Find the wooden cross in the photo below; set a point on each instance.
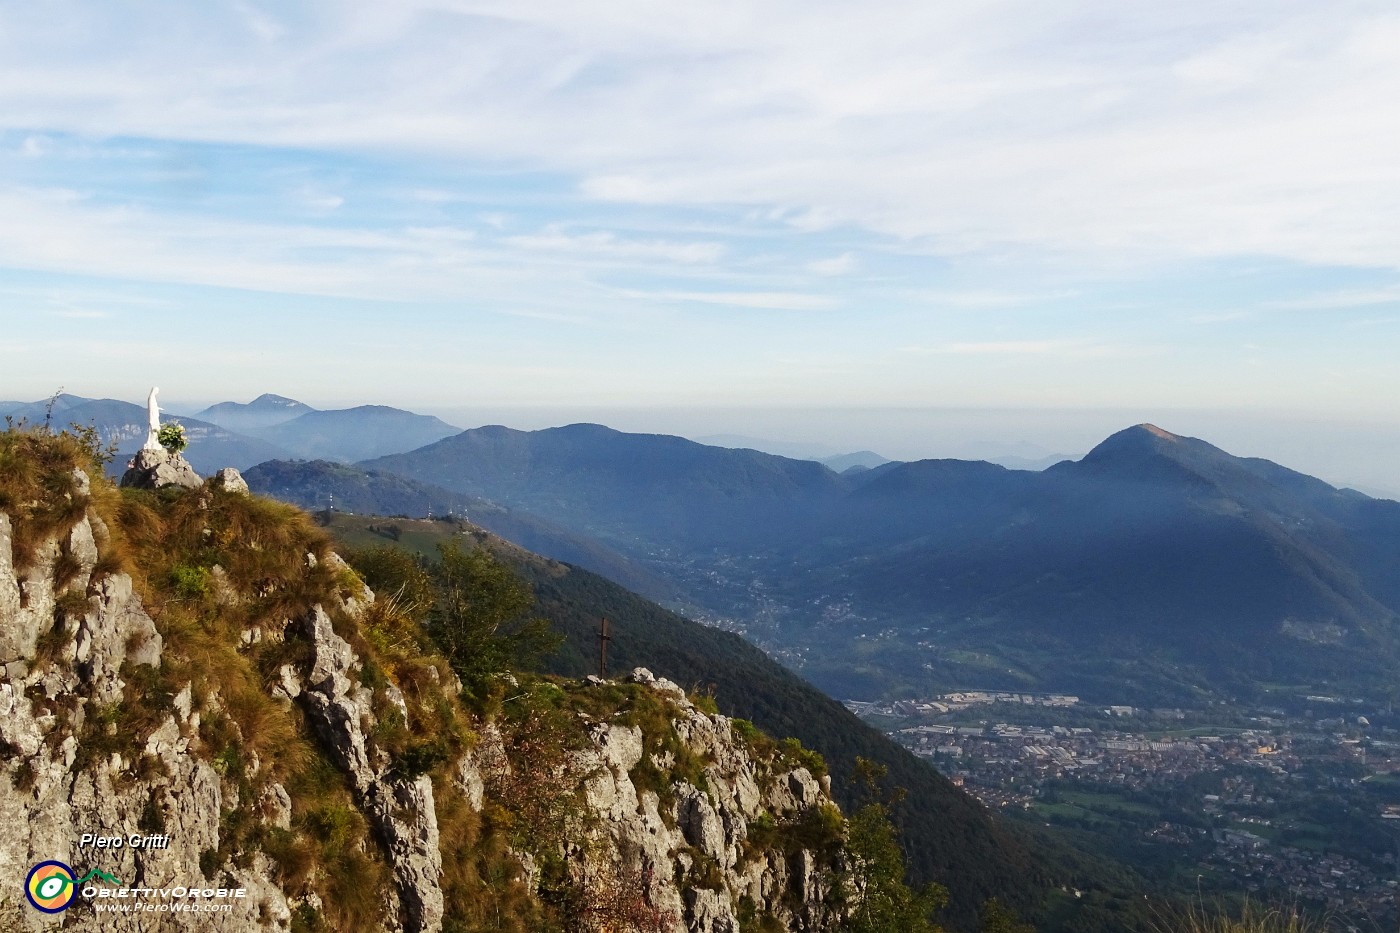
(603, 639)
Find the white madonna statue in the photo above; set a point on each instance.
(153, 415)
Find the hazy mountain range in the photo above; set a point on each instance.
(265, 411)
(125, 423)
(1020, 456)
(342, 434)
(1182, 567)
(241, 435)
(1156, 565)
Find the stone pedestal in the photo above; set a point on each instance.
(152, 469)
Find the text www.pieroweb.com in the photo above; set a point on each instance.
(107, 907)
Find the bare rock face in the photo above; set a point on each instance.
(401, 811)
(24, 607)
(50, 795)
(114, 630)
(152, 469)
(693, 854)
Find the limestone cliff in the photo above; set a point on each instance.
(195, 671)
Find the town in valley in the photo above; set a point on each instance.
(1294, 803)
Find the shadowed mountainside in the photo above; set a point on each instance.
(1154, 549)
(316, 484)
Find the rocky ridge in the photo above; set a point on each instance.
(646, 843)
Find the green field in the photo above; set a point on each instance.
(418, 535)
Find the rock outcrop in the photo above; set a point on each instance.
(401, 810)
(229, 480)
(68, 650)
(707, 854)
(152, 469)
(674, 821)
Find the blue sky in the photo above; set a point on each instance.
(806, 206)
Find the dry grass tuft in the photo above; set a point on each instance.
(1196, 917)
(38, 488)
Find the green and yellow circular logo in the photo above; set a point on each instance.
(50, 887)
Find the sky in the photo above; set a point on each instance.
(802, 218)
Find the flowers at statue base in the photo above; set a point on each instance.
(172, 437)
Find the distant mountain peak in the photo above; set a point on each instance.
(586, 429)
(1144, 439)
(1146, 451)
(268, 399)
(262, 412)
(1155, 431)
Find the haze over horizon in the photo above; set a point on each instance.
(1343, 452)
(903, 228)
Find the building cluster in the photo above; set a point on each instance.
(1004, 755)
(1342, 885)
(962, 700)
(1235, 835)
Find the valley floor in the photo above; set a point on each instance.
(1293, 806)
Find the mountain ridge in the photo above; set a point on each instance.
(264, 411)
(358, 433)
(1151, 539)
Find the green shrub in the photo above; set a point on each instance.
(798, 757)
(171, 436)
(705, 703)
(189, 582)
(480, 619)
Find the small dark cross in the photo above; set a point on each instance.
(603, 639)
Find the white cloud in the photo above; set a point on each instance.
(321, 201)
(1223, 317)
(984, 298)
(1344, 298)
(844, 264)
(1077, 349)
(70, 235)
(82, 314)
(609, 245)
(778, 301)
(1194, 129)
(265, 27)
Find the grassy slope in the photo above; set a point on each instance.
(948, 837)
